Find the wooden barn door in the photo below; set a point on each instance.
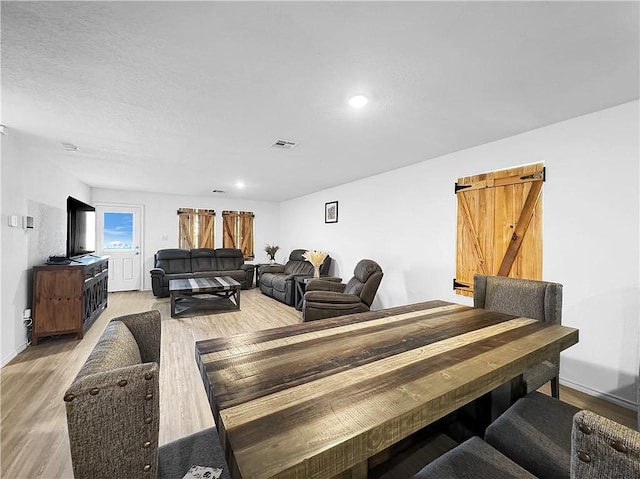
(499, 230)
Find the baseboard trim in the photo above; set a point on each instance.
(8, 359)
(601, 395)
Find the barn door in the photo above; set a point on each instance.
(499, 229)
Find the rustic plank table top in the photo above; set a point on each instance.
(315, 399)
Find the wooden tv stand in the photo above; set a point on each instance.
(67, 298)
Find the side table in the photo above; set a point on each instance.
(301, 286)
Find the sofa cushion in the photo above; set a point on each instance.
(229, 259)
(297, 255)
(203, 259)
(267, 279)
(116, 348)
(354, 286)
(174, 260)
(169, 277)
(279, 282)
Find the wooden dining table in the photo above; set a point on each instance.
(318, 399)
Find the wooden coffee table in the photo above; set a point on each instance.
(214, 295)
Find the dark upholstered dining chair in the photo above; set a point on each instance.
(556, 440)
(536, 426)
(113, 410)
(473, 459)
(539, 300)
(539, 436)
(327, 299)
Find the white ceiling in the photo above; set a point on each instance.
(185, 97)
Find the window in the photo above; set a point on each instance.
(237, 231)
(499, 225)
(117, 231)
(196, 228)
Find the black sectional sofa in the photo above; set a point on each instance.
(198, 263)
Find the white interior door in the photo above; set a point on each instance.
(120, 237)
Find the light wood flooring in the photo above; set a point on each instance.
(34, 440)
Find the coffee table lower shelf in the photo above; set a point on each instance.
(212, 295)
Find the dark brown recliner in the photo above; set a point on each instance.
(326, 299)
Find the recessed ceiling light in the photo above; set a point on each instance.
(358, 101)
(240, 184)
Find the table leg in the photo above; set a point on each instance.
(173, 305)
(238, 297)
(300, 287)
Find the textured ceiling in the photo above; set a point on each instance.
(185, 97)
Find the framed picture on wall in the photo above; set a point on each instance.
(331, 212)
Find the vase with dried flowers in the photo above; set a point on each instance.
(316, 258)
(271, 251)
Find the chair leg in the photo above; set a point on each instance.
(555, 387)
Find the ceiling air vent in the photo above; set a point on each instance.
(218, 191)
(70, 147)
(285, 144)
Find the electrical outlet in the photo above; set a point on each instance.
(26, 314)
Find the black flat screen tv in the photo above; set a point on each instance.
(81, 228)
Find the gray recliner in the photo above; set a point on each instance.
(113, 410)
(277, 280)
(327, 299)
(539, 300)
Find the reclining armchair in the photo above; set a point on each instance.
(326, 299)
(277, 281)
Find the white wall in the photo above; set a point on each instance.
(30, 186)
(406, 221)
(161, 220)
